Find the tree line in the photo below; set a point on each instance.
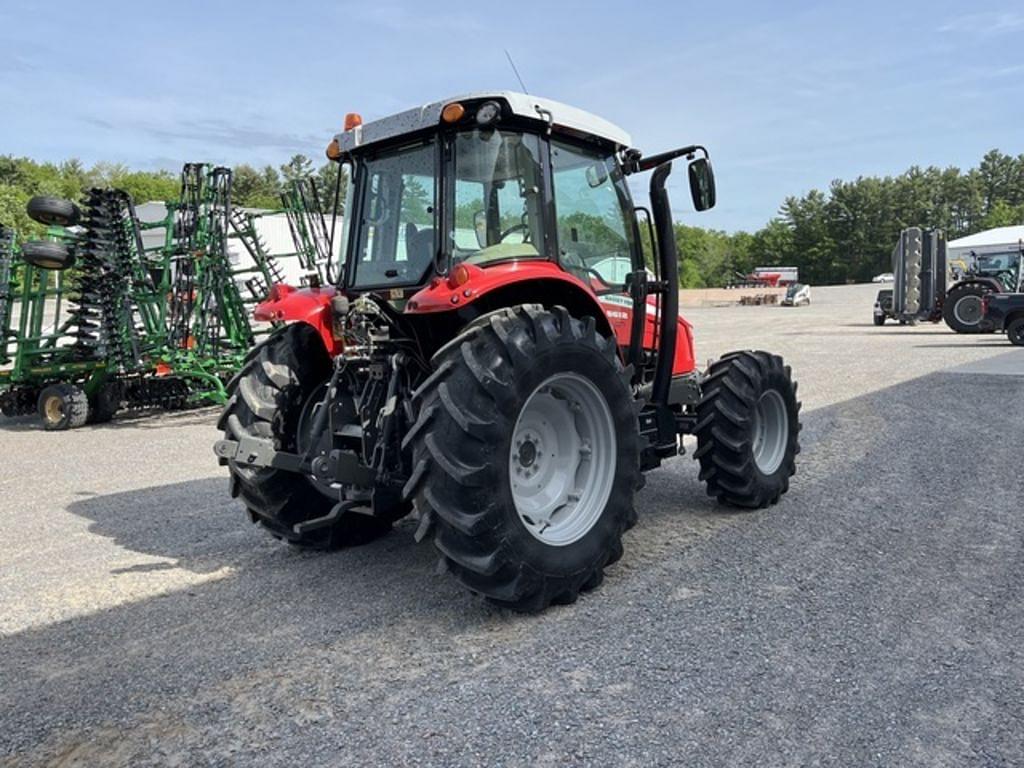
(22, 178)
(846, 233)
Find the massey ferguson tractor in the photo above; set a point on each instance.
(496, 354)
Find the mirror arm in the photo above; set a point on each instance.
(668, 320)
(636, 163)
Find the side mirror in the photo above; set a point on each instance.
(702, 184)
(596, 175)
(480, 228)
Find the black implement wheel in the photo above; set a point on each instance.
(748, 425)
(267, 398)
(526, 457)
(53, 211)
(1015, 332)
(63, 406)
(879, 319)
(9, 405)
(962, 309)
(106, 402)
(47, 255)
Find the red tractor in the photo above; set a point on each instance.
(496, 354)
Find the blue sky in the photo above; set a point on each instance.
(787, 96)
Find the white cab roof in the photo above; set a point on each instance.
(562, 116)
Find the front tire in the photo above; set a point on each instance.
(526, 457)
(1015, 332)
(748, 425)
(266, 399)
(879, 319)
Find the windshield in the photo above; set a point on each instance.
(497, 197)
(396, 242)
(996, 261)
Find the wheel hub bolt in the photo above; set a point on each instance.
(527, 453)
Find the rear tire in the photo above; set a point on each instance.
(879, 319)
(1015, 332)
(748, 427)
(266, 399)
(962, 309)
(63, 406)
(551, 383)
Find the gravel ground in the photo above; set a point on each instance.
(872, 618)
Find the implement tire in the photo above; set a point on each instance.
(63, 406)
(266, 399)
(526, 457)
(748, 425)
(106, 402)
(53, 211)
(47, 255)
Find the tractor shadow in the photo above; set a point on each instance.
(202, 529)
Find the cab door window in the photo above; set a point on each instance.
(396, 239)
(595, 227)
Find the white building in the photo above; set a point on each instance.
(272, 228)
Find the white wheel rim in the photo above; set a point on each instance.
(562, 459)
(771, 432)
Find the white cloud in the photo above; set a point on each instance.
(984, 24)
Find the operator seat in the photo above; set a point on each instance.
(419, 244)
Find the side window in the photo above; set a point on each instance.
(595, 230)
(397, 242)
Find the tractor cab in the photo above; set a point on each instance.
(1002, 267)
(484, 181)
(459, 205)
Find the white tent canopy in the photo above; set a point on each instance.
(998, 240)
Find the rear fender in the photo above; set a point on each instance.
(311, 306)
(543, 282)
(985, 282)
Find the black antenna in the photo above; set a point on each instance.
(521, 83)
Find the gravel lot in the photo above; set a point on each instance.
(872, 618)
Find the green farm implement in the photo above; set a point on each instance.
(93, 320)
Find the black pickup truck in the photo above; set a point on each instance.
(1006, 312)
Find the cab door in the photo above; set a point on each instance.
(595, 232)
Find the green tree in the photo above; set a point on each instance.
(299, 167)
(256, 189)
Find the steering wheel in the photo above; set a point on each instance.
(515, 228)
(573, 262)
